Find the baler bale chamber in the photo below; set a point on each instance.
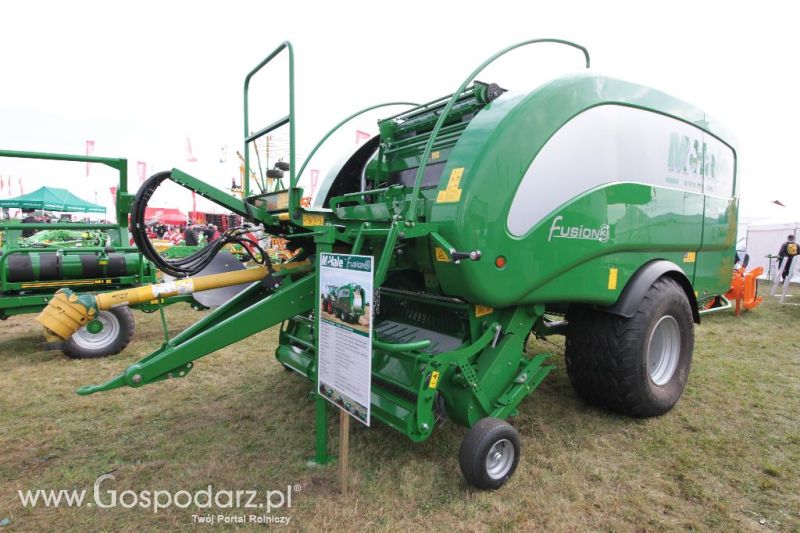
(588, 206)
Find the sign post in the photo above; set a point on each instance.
(344, 323)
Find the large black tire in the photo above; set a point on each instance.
(607, 355)
(487, 438)
(117, 332)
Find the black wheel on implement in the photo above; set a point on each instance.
(106, 335)
(640, 365)
(489, 453)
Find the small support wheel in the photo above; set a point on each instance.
(489, 453)
(108, 334)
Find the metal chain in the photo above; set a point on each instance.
(544, 339)
(376, 302)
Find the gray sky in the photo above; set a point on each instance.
(138, 77)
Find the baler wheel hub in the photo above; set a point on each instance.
(500, 459)
(100, 334)
(664, 350)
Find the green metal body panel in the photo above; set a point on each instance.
(494, 151)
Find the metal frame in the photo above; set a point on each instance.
(288, 119)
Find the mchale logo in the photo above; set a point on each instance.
(332, 261)
(584, 233)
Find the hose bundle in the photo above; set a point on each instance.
(194, 263)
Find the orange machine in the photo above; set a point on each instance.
(744, 288)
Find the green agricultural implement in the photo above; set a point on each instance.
(84, 257)
(588, 207)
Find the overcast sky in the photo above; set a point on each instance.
(139, 77)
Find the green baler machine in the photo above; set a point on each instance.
(589, 207)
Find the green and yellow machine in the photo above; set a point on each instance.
(38, 258)
(86, 257)
(588, 207)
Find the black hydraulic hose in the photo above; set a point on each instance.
(197, 261)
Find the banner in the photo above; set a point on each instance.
(89, 151)
(362, 136)
(141, 170)
(314, 180)
(113, 191)
(344, 323)
(189, 155)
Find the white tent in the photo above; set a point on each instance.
(765, 238)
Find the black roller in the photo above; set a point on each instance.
(49, 266)
(20, 268)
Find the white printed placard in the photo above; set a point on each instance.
(344, 323)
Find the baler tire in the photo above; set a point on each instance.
(80, 345)
(482, 439)
(607, 355)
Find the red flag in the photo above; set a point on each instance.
(141, 169)
(189, 155)
(314, 180)
(89, 151)
(1, 183)
(194, 202)
(362, 136)
(20, 186)
(113, 191)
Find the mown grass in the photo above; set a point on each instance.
(726, 458)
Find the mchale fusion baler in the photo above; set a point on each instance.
(589, 207)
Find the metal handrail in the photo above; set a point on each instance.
(248, 137)
(412, 208)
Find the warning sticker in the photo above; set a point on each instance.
(181, 286)
(313, 220)
(455, 178)
(483, 310)
(453, 191)
(434, 379)
(442, 256)
(449, 195)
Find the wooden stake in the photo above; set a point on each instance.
(344, 448)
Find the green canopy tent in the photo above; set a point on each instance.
(52, 199)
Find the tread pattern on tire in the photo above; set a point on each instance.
(603, 354)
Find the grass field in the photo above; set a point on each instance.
(726, 458)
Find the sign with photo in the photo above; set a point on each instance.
(344, 324)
